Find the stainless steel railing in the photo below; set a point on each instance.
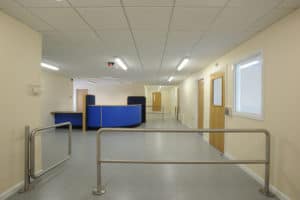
(29, 172)
(265, 190)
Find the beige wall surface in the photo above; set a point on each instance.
(280, 46)
(20, 56)
(110, 92)
(168, 99)
(56, 95)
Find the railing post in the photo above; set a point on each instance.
(266, 190)
(99, 190)
(26, 160)
(70, 140)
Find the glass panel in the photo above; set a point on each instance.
(248, 86)
(217, 92)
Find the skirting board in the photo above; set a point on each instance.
(11, 191)
(259, 179)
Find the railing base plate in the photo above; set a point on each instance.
(267, 194)
(98, 193)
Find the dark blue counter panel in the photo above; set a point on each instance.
(74, 118)
(113, 116)
(121, 116)
(93, 116)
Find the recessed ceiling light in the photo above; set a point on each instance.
(171, 78)
(183, 64)
(48, 66)
(120, 62)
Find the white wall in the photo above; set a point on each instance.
(57, 91)
(20, 56)
(280, 45)
(109, 92)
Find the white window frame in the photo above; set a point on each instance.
(245, 114)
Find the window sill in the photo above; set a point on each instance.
(248, 116)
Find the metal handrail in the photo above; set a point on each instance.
(265, 190)
(37, 131)
(30, 152)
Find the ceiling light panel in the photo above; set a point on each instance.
(183, 64)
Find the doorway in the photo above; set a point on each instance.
(217, 110)
(80, 95)
(200, 103)
(156, 101)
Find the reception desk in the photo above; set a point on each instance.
(113, 116)
(68, 116)
(102, 116)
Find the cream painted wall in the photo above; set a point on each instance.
(168, 99)
(20, 56)
(109, 92)
(56, 95)
(280, 45)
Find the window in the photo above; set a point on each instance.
(217, 92)
(248, 100)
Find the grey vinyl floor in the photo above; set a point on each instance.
(75, 179)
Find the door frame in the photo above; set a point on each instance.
(201, 103)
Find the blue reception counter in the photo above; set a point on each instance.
(74, 117)
(113, 116)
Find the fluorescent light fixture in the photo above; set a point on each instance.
(171, 78)
(249, 64)
(52, 67)
(183, 64)
(92, 82)
(120, 62)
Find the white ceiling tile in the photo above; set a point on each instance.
(150, 45)
(254, 3)
(149, 18)
(179, 45)
(8, 4)
(181, 42)
(61, 18)
(291, 4)
(105, 18)
(120, 41)
(269, 19)
(201, 3)
(26, 17)
(94, 3)
(43, 3)
(193, 18)
(150, 42)
(148, 2)
(238, 18)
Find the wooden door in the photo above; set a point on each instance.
(217, 110)
(156, 101)
(200, 103)
(80, 95)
